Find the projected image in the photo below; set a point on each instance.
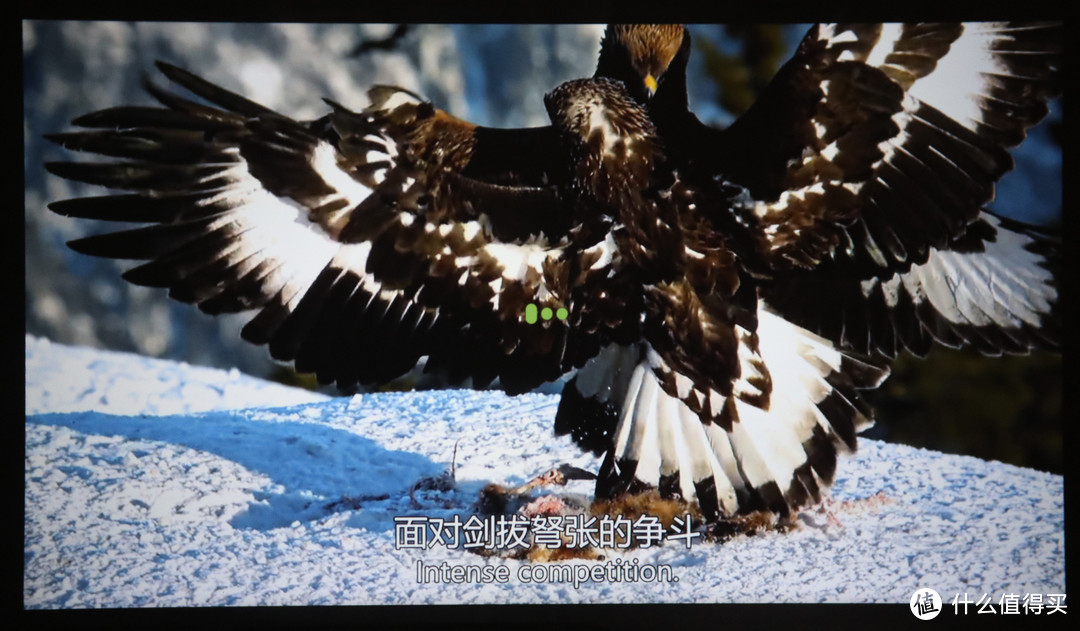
(428, 314)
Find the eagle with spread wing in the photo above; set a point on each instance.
(727, 292)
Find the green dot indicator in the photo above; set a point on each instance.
(530, 314)
(545, 313)
(562, 313)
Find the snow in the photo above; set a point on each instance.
(151, 483)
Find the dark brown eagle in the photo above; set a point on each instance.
(728, 291)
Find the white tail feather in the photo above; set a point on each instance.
(766, 444)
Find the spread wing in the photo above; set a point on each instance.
(867, 162)
(362, 242)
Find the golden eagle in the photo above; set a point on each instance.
(727, 292)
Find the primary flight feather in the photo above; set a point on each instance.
(727, 292)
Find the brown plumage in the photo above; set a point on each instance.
(848, 202)
(724, 289)
(864, 164)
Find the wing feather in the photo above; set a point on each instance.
(365, 241)
(867, 163)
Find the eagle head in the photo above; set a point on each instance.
(640, 55)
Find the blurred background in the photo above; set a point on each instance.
(1006, 409)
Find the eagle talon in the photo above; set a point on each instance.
(750, 524)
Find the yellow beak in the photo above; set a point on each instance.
(650, 84)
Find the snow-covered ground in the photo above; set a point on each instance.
(151, 483)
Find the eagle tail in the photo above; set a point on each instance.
(773, 454)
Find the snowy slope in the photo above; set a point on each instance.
(150, 483)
